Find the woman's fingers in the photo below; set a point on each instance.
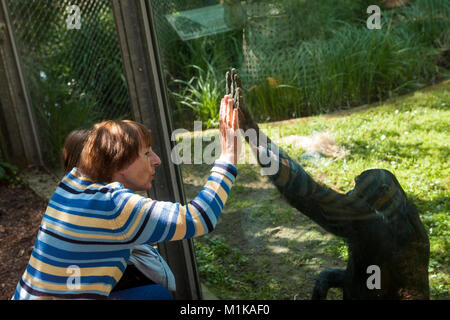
(225, 114)
(230, 113)
(235, 119)
(233, 85)
(229, 124)
(221, 110)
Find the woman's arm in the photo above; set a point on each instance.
(149, 221)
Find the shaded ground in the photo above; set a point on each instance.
(21, 211)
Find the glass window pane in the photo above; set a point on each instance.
(262, 248)
(296, 58)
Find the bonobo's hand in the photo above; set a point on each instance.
(234, 89)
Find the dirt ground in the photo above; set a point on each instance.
(21, 211)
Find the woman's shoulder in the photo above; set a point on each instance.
(75, 185)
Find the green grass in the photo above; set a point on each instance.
(408, 135)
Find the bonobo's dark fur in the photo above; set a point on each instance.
(381, 226)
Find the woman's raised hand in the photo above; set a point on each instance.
(230, 136)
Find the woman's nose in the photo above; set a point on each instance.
(155, 160)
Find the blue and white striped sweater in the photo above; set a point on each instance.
(92, 227)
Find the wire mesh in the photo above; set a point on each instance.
(72, 66)
(267, 33)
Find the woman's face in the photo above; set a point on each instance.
(139, 175)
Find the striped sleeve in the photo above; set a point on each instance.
(152, 221)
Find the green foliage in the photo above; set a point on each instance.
(310, 20)
(196, 76)
(22, 14)
(321, 57)
(96, 68)
(428, 20)
(9, 174)
(75, 77)
(270, 101)
(202, 93)
(356, 66)
(61, 108)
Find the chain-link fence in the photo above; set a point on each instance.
(72, 66)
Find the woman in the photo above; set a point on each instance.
(145, 266)
(94, 218)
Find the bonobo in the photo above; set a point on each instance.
(380, 225)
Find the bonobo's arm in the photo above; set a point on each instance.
(331, 210)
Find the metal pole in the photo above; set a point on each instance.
(17, 120)
(147, 91)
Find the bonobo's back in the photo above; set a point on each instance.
(395, 241)
(381, 226)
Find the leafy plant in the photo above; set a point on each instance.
(60, 107)
(9, 174)
(202, 93)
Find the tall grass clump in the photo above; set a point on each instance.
(309, 20)
(428, 20)
(201, 94)
(354, 65)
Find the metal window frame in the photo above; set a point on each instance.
(149, 104)
(17, 119)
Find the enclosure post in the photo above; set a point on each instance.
(16, 116)
(146, 86)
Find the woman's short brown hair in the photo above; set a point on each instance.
(112, 146)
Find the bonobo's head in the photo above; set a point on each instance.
(381, 190)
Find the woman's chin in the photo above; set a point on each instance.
(148, 186)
